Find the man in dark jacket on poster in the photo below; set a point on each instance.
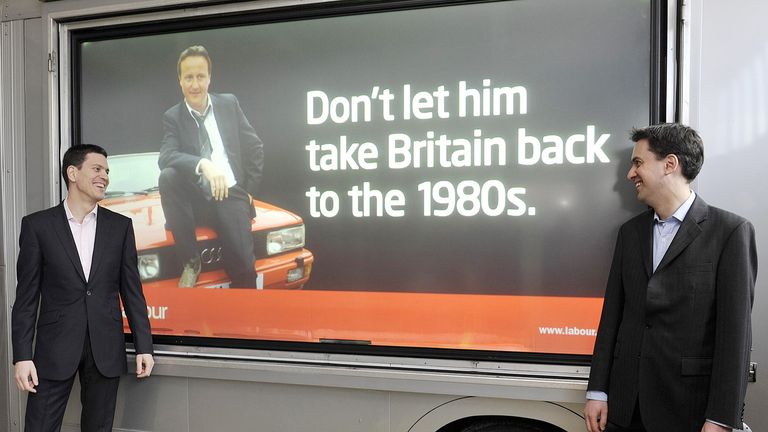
(211, 161)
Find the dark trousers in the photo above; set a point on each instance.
(635, 426)
(185, 207)
(98, 396)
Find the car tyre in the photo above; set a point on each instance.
(508, 425)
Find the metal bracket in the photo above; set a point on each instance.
(752, 372)
(52, 61)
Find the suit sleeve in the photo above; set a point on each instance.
(133, 297)
(28, 272)
(171, 152)
(734, 291)
(610, 319)
(252, 151)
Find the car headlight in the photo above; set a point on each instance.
(285, 239)
(149, 266)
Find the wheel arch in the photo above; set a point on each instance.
(459, 413)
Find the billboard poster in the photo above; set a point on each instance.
(446, 177)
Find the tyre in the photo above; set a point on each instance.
(510, 425)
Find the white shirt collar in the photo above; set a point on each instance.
(71, 217)
(681, 211)
(194, 112)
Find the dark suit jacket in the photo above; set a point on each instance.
(181, 143)
(678, 338)
(50, 274)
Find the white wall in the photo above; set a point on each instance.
(729, 107)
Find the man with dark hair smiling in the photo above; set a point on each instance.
(76, 262)
(672, 349)
(211, 161)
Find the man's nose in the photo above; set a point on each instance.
(631, 173)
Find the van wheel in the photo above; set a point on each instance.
(508, 426)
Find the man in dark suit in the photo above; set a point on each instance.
(672, 349)
(76, 261)
(211, 161)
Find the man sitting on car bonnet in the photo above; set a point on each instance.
(211, 161)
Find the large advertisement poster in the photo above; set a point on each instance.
(447, 177)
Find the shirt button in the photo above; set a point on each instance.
(89, 292)
(648, 325)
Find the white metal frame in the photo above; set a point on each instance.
(12, 169)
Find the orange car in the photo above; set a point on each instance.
(282, 262)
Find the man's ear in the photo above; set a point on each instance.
(72, 174)
(671, 163)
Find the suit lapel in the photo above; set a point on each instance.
(222, 122)
(688, 231)
(64, 233)
(191, 136)
(645, 234)
(100, 243)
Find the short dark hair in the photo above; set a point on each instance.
(677, 139)
(75, 156)
(194, 51)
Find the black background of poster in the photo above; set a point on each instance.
(582, 63)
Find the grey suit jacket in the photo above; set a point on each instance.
(678, 339)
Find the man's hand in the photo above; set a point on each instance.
(216, 178)
(711, 427)
(26, 376)
(144, 365)
(596, 415)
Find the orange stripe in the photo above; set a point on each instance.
(465, 321)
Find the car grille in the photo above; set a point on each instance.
(211, 254)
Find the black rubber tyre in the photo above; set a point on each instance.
(507, 426)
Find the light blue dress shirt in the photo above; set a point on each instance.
(664, 231)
